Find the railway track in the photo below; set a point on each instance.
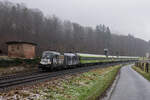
(19, 75)
(10, 82)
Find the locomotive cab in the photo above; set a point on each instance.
(50, 60)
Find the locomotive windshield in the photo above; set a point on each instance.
(47, 55)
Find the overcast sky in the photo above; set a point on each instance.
(122, 16)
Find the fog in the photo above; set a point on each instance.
(122, 16)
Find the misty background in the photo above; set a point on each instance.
(76, 26)
(122, 16)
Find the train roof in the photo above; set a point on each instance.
(89, 55)
(112, 56)
(52, 52)
(69, 54)
(95, 55)
(127, 57)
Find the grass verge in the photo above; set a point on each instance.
(143, 73)
(83, 86)
(101, 86)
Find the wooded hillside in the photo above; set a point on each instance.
(17, 22)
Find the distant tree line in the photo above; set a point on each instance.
(17, 22)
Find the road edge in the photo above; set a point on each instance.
(110, 90)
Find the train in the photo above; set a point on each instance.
(54, 60)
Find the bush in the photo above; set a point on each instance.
(31, 61)
(17, 61)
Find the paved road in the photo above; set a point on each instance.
(131, 86)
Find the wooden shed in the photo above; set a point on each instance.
(21, 49)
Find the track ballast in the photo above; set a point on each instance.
(10, 82)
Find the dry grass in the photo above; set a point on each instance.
(143, 73)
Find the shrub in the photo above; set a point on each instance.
(17, 61)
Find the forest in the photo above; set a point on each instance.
(19, 23)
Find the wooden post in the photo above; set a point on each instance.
(143, 66)
(147, 67)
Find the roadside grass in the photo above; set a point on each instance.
(143, 73)
(87, 86)
(102, 85)
(83, 86)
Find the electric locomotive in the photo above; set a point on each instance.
(54, 60)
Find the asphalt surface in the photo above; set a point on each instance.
(131, 86)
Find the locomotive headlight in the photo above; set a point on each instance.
(43, 63)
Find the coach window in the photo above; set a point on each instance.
(73, 59)
(69, 58)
